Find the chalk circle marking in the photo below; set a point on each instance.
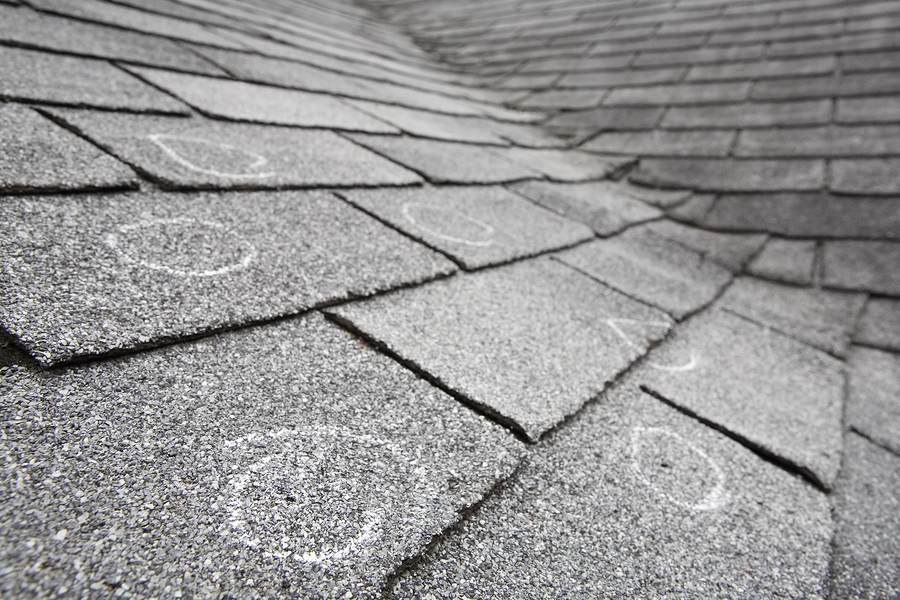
(258, 159)
(112, 240)
(410, 208)
(715, 499)
(368, 533)
(692, 363)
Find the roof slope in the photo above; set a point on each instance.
(447, 298)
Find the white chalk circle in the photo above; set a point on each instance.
(677, 470)
(437, 221)
(316, 494)
(177, 146)
(182, 246)
(616, 325)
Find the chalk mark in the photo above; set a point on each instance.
(715, 499)
(112, 240)
(488, 229)
(260, 160)
(690, 365)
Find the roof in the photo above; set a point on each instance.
(450, 299)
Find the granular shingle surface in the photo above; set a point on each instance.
(94, 274)
(501, 322)
(710, 388)
(219, 468)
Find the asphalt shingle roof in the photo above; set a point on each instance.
(450, 298)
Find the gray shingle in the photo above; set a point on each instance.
(608, 79)
(95, 274)
(477, 226)
(835, 141)
(807, 215)
(635, 500)
(36, 155)
(447, 162)
(774, 393)
(532, 341)
(867, 538)
(199, 153)
(433, 125)
(866, 176)
(790, 261)
(879, 325)
(29, 28)
(604, 207)
(820, 318)
(862, 265)
(207, 457)
(749, 114)
(871, 61)
(695, 93)
(570, 99)
(858, 84)
(35, 76)
(763, 69)
(731, 175)
(877, 109)
(732, 250)
(242, 101)
(651, 268)
(663, 143)
(873, 406)
(565, 165)
(580, 124)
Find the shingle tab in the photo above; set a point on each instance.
(199, 153)
(776, 394)
(790, 261)
(749, 114)
(635, 500)
(532, 342)
(873, 406)
(862, 265)
(34, 76)
(879, 325)
(36, 155)
(224, 459)
(127, 270)
(604, 207)
(477, 226)
(866, 176)
(663, 143)
(242, 101)
(447, 162)
(724, 175)
(651, 268)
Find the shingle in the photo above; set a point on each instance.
(873, 406)
(126, 270)
(700, 55)
(569, 99)
(763, 69)
(837, 141)
(749, 114)
(477, 226)
(609, 79)
(731, 250)
(206, 457)
(663, 198)
(564, 165)
(790, 261)
(775, 394)
(862, 265)
(858, 84)
(651, 268)
(447, 162)
(36, 155)
(783, 32)
(823, 319)
(432, 125)
(867, 537)
(663, 143)
(137, 20)
(878, 109)
(43, 77)
(866, 176)
(879, 325)
(531, 341)
(731, 175)
(203, 154)
(807, 215)
(858, 42)
(524, 134)
(696, 93)
(581, 124)
(26, 27)
(635, 500)
(262, 104)
(604, 207)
